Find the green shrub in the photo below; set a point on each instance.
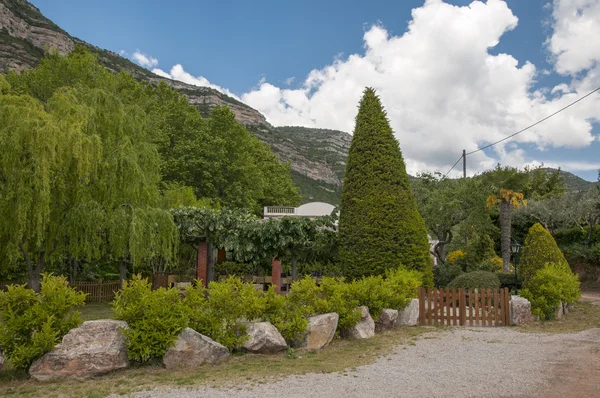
(155, 318)
(319, 269)
(338, 298)
(507, 279)
(445, 273)
(287, 318)
(476, 280)
(394, 291)
(404, 283)
(380, 226)
(231, 268)
(333, 295)
(540, 249)
(32, 324)
(217, 312)
(550, 286)
(491, 264)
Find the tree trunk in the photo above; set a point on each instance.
(73, 271)
(505, 232)
(439, 250)
(35, 273)
(210, 270)
(122, 271)
(294, 270)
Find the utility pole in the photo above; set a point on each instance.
(464, 164)
(465, 176)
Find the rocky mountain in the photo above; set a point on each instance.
(317, 156)
(573, 183)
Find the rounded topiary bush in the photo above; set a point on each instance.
(540, 249)
(476, 280)
(548, 288)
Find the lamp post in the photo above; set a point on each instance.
(515, 248)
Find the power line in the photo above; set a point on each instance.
(445, 175)
(534, 124)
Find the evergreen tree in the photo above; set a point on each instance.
(539, 250)
(380, 227)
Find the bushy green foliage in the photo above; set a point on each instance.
(287, 318)
(446, 273)
(476, 280)
(319, 269)
(219, 311)
(394, 291)
(31, 324)
(491, 264)
(380, 227)
(155, 318)
(507, 279)
(332, 295)
(539, 249)
(577, 235)
(550, 286)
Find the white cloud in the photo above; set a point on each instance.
(178, 73)
(442, 89)
(289, 80)
(575, 42)
(144, 60)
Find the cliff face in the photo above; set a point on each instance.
(317, 156)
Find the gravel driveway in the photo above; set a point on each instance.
(470, 362)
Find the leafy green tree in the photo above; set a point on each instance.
(540, 249)
(380, 227)
(80, 172)
(217, 157)
(445, 204)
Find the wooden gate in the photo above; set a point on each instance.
(461, 307)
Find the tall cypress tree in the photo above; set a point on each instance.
(380, 226)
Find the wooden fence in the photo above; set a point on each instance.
(98, 291)
(460, 307)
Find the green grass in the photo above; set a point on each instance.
(241, 370)
(93, 311)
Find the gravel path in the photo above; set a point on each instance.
(469, 362)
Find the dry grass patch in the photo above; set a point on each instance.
(242, 370)
(584, 316)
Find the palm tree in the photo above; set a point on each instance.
(508, 186)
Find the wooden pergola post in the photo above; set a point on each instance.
(276, 274)
(202, 265)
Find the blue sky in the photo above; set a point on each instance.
(263, 52)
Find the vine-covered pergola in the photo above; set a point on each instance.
(252, 239)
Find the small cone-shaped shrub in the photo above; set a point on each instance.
(539, 250)
(380, 226)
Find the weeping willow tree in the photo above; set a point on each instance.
(79, 171)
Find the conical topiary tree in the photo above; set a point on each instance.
(539, 250)
(380, 226)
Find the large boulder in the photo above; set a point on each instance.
(193, 349)
(365, 328)
(410, 315)
(263, 338)
(95, 348)
(320, 331)
(520, 311)
(387, 319)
